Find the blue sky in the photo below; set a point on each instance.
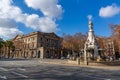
(76, 12)
(60, 16)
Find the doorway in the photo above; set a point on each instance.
(39, 54)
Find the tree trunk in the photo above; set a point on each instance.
(8, 52)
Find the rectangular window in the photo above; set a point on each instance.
(33, 38)
(41, 39)
(28, 39)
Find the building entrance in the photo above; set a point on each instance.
(38, 54)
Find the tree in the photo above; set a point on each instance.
(12, 49)
(74, 43)
(1, 46)
(9, 47)
(79, 41)
(67, 41)
(101, 41)
(115, 29)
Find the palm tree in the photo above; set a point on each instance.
(9, 47)
(12, 49)
(1, 45)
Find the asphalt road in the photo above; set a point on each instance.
(38, 70)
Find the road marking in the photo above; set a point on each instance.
(21, 69)
(3, 69)
(20, 74)
(3, 77)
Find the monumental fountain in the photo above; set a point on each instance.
(91, 47)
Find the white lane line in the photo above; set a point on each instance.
(3, 69)
(21, 69)
(20, 74)
(3, 77)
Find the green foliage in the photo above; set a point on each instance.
(1, 42)
(9, 43)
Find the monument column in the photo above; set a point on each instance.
(90, 44)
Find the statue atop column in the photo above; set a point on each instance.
(90, 25)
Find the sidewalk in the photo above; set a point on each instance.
(65, 62)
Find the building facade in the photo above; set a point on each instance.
(38, 45)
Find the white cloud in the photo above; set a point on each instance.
(49, 8)
(10, 15)
(8, 28)
(89, 17)
(9, 32)
(44, 24)
(47, 22)
(7, 23)
(109, 11)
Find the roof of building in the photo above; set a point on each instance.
(52, 34)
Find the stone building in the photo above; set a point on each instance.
(37, 45)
